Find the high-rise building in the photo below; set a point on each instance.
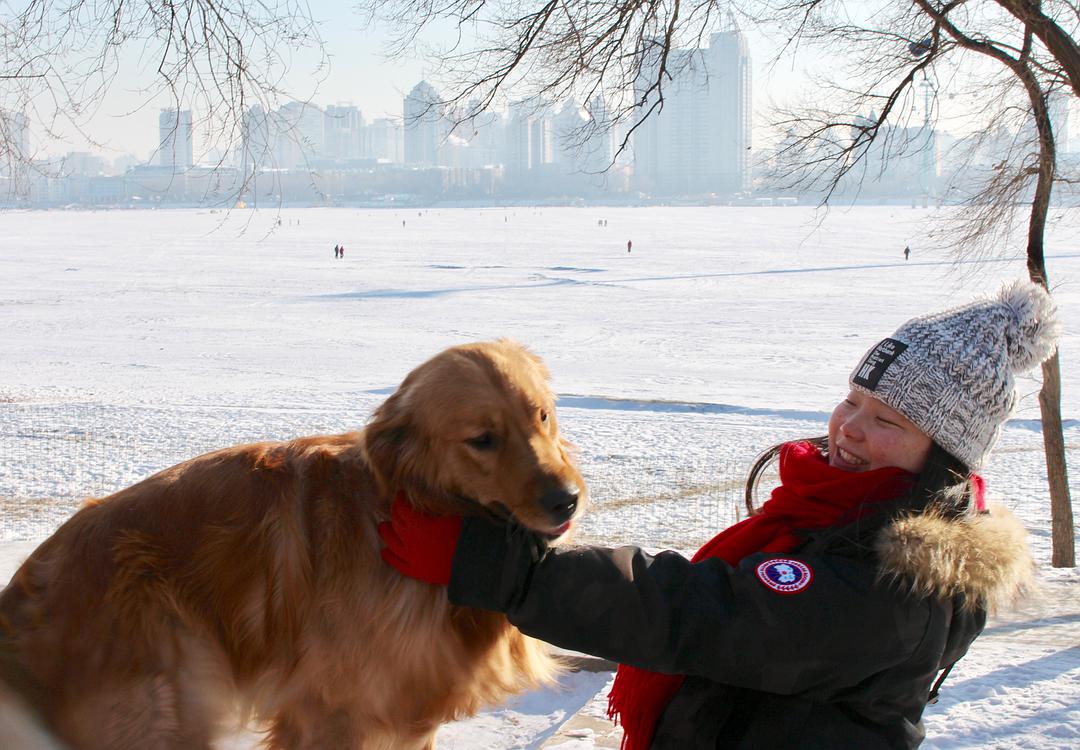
(568, 134)
(14, 135)
(598, 150)
(256, 149)
(298, 130)
(530, 136)
(383, 140)
(423, 124)
(15, 175)
(175, 147)
(82, 164)
(700, 141)
(485, 133)
(344, 128)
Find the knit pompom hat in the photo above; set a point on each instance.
(952, 373)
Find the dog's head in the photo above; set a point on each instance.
(475, 425)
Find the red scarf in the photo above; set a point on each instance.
(811, 495)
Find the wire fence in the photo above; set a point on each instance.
(655, 479)
(55, 455)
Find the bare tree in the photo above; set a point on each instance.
(620, 53)
(1038, 77)
(889, 52)
(58, 60)
(919, 41)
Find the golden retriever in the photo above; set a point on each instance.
(250, 578)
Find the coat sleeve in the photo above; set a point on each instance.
(709, 619)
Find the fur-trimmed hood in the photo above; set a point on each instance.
(983, 556)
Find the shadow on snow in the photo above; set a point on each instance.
(426, 293)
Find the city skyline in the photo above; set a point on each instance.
(351, 70)
(702, 138)
(704, 131)
(353, 73)
(701, 143)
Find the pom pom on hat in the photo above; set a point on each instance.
(952, 372)
(1032, 331)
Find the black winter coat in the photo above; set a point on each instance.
(846, 661)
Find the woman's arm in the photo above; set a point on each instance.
(833, 629)
(666, 614)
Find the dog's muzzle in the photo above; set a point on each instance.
(560, 503)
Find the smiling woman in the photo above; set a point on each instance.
(826, 617)
(866, 434)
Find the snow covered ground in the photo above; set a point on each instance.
(132, 340)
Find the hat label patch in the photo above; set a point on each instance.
(785, 576)
(874, 365)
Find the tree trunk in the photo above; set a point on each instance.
(1057, 473)
(1061, 517)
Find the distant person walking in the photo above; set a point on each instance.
(907, 252)
(629, 244)
(337, 251)
(341, 250)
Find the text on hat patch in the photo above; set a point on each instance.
(877, 362)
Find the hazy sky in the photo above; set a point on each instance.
(126, 121)
(358, 73)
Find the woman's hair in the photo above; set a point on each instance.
(943, 486)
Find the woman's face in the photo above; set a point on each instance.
(865, 434)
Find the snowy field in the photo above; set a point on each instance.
(133, 340)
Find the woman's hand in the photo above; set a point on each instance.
(419, 545)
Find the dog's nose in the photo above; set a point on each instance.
(560, 502)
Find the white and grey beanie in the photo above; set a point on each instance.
(952, 372)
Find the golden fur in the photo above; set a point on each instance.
(250, 578)
(983, 556)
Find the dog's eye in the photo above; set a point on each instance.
(482, 442)
(543, 416)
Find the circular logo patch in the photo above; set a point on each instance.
(785, 576)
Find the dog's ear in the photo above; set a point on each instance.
(532, 358)
(394, 443)
(384, 438)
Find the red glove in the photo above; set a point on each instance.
(419, 545)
